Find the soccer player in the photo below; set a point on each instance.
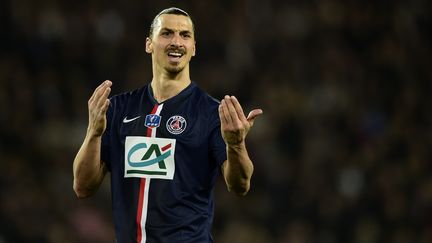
(164, 144)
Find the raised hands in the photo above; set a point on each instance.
(234, 124)
(97, 107)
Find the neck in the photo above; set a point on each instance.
(167, 85)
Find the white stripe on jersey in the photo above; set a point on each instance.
(147, 187)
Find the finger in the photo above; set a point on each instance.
(254, 114)
(105, 107)
(221, 114)
(226, 112)
(99, 90)
(103, 98)
(232, 111)
(239, 109)
(102, 85)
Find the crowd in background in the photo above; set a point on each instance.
(343, 152)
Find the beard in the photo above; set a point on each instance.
(174, 69)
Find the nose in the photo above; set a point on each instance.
(176, 40)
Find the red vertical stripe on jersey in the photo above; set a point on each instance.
(141, 192)
(139, 211)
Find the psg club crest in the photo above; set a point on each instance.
(176, 124)
(152, 121)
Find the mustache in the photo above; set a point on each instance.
(175, 49)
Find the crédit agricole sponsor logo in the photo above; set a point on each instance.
(148, 157)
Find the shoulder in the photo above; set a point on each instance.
(124, 98)
(205, 99)
(123, 103)
(206, 106)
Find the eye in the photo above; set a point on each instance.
(165, 33)
(187, 35)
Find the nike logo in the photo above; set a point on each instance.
(125, 120)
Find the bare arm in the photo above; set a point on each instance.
(238, 168)
(88, 169)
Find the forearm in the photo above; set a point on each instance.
(235, 125)
(238, 169)
(88, 170)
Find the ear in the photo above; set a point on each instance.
(149, 45)
(194, 49)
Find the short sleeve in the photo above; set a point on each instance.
(217, 144)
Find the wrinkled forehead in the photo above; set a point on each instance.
(174, 22)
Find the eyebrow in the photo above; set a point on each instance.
(171, 30)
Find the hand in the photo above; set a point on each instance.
(97, 107)
(234, 124)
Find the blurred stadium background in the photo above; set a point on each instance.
(342, 154)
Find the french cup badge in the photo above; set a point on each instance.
(152, 121)
(176, 124)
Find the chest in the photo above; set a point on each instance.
(164, 141)
(183, 122)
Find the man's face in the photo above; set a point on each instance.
(173, 42)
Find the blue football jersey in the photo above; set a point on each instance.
(163, 160)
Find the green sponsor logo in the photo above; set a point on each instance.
(153, 155)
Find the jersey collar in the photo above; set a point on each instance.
(180, 96)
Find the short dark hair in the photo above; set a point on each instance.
(172, 10)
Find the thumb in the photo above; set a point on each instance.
(254, 114)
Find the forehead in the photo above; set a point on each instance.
(174, 22)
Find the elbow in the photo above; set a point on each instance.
(82, 192)
(239, 190)
(237, 181)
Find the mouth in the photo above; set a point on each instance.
(174, 56)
